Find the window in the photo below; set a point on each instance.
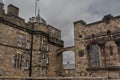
(20, 40)
(26, 64)
(42, 54)
(43, 43)
(94, 56)
(47, 61)
(28, 44)
(18, 61)
(81, 53)
(47, 48)
(41, 40)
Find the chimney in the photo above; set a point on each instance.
(1, 8)
(13, 10)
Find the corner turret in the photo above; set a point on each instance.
(37, 19)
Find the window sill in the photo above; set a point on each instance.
(112, 68)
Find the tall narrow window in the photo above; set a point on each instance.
(20, 40)
(18, 61)
(26, 64)
(42, 55)
(94, 56)
(28, 44)
(47, 60)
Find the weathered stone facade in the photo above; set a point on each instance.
(97, 52)
(97, 47)
(18, 38)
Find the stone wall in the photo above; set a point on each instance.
(15, 42)
(61, 78)
(99, 33)
(8, 49)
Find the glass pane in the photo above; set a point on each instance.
(94, 56)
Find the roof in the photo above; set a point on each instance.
(68, 66)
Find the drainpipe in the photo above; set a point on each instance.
(30, 66)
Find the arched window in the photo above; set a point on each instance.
(94, 56)
(111, 54)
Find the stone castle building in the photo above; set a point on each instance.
(97, 47)
(35, 48)
(18, 40)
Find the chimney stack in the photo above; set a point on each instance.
(13, 10)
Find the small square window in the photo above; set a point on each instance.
(42, 54)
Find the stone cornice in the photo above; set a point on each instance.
(104, 68)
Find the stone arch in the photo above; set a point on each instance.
(111, 53)
(60, 51)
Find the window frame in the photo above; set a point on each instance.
(94, 56)
(20, 39)
(18, 61)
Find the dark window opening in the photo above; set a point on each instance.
(81, 53)
(18, 61)
(80, 36)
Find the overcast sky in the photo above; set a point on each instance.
(62, 13)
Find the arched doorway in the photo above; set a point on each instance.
(69, 64)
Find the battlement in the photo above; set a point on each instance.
(105, 19)
(13, 20)
(12, 16)
(13, 10)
